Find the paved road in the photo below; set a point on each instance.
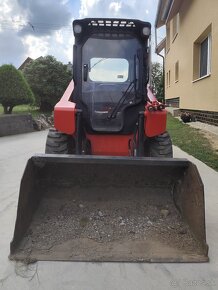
(14, 152)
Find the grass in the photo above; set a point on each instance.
(23, 109)
(192, 141)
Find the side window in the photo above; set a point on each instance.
(168, 79)
(202, 55)
(167, 37)
(175, 25)
(205, 56)
(177, 71)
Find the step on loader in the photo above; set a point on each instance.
(108, 187)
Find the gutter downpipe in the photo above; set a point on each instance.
(163, 18)
(163, 66)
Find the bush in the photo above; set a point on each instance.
(14, 89)
(48, 79)
(157, 81)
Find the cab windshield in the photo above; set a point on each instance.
(110, 78)
(109, 69)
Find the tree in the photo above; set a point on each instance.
(157, 80)
(14, 89)
(48, 79)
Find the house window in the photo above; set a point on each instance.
(176, 72)
(202, 55)
(168, 79)
(168, 37)
(205, 56)
(175, 25)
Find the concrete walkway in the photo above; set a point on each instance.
(198, 125)
(14, 152)
(205, 127)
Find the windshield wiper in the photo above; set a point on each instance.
(99, 61)
(132, 85)
(115, 110)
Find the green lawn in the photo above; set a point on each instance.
(23, 109)
(192, 141)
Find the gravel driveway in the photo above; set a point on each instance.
(14, 152)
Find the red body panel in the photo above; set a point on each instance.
(150, 95)
(155, 123)
(112, 145)
(155, 120)
(65, 113)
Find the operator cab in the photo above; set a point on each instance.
(110, 73)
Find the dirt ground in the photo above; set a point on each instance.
(112, 224)
(209, 131)
(212, 138)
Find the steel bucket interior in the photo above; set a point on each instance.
(88, 208)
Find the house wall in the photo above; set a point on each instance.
(195, 16)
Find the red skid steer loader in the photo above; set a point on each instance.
(107, 188)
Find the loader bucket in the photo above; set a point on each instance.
(88, 208)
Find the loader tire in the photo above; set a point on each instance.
(159, 146)
(59, 143)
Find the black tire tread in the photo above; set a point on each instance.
(160, 146)
(57, 143)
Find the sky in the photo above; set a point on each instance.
(34, 28)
